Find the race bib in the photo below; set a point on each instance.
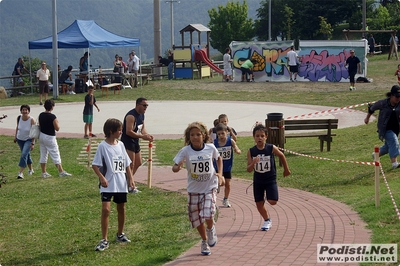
(201, 167)
(225, 152)
(118, 164)
(263, 165)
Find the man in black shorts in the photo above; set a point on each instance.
(133, 129)
(43, 75)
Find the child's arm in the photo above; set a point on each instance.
(220, 166)
(98, 109)
(131, 182)
(282, 159)
(102, 179)
(232, 133)
(251, 162)
(235, 147)
(91, 101)
(177, 167)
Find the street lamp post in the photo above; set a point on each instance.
(171, 2)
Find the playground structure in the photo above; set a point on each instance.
(393, 45)
(192, 57)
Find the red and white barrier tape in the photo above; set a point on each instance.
(327, 111)
(390, 193)
(328, 159)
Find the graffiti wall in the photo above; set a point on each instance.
(318, 60)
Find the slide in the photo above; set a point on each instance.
(200, 55)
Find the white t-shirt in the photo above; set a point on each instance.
(201, 174)
(24, 128)
(43, 75)
(136, 62)
(114, 159)
(292, 57)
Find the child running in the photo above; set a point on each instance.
(397, 73)
(203, 180)
(223, 118)
(110, 164)
(226, 146)
(90, 100)
(260, 158)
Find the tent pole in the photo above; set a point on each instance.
(55, 51)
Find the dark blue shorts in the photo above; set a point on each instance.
(267, 191)
(118, 197)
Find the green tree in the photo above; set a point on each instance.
(288, 22)
(230, 23)
(325, 28)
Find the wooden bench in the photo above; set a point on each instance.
(146, 75)
(106, 87)
(313, 124)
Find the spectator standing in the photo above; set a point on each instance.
(90, 100)
(371, 44)
(227, 65)
(135, 68)
(134, 129)
(26, 144)
(84, 64)
(395, 44)
(203, 181)
(111, 165)
(171, 64)
(388, 123)
(43, 75)
(260, 161)
(292, 57)
(48, 143)
(123, 64)
(18, 69)
(66, 78)
(354, 66)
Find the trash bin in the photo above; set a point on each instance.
(276, 129)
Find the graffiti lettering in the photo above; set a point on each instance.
(316, 66)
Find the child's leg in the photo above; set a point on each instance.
(90, 128)
(86, 129)
(121, 217)
(227, 187)
(202, 231)
(262, 209)
(105, 214)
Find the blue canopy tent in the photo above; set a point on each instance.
(84, 34)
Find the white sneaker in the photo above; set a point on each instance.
(64, 174)
(72, 92)
(133, 191)
(267, 225)
(30, 172)
(205, 249)
(46, 175)
(212, 238)
(395, 165)
(20, 176)
(226, 203)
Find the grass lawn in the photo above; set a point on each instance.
(56, 221)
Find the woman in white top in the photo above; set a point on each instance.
(26, 144)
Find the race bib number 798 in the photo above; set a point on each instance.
(119, 164)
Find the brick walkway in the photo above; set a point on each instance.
(300, 221)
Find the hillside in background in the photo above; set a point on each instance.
(22, 21)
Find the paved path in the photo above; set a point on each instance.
(300, 221)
